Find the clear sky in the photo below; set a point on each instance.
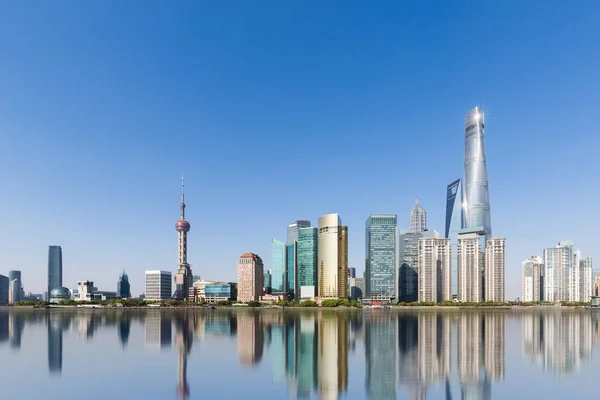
(278, 111)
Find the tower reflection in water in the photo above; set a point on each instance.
(456, 354)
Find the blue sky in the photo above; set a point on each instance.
(278, 111)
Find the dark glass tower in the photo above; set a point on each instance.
(123, 287)
(54, 268)
(380, 251)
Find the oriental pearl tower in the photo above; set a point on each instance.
(183, 278)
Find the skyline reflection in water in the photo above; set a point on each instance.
(324, 354)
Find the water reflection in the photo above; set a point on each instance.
(455, 355)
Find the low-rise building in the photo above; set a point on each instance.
(215, 292)
(158, 285)
(85, 291)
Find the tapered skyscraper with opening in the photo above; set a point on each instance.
(477, 198)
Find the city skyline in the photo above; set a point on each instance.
(141, 121)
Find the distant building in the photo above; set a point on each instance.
(200, 290)
(533, 279)
(434, 270)
(123, 287)
(357, 288)
(250, 277)
(15, 287)
(597, 286)
(567, 276)
(308, 242)
(215, 292)
(158, 285)
(54, 267)
(380, 256)
(332, 258)
(351, 272)
(471, 263)
(294, 229)
(494, 269)
(85, 291)
(103, 295)
(418, 219)
(267, 281)
(455, 222)
(3, 290)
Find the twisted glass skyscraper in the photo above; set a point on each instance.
(477, 196)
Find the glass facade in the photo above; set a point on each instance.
(454, 223)
(267, 282)
(408, 253)
(54, 267)
(294, 228)
(308, 239)
(292, 269)
(476, 180)
(123, 287)
(219, 290)
(380, 251)
(278, 262)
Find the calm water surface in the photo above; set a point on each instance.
(275, 354)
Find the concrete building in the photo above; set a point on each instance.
(471, 261)
(434, 270)
(308, 241)
(85, 291)
(418, 219)
(158, 285)
(332, 258)
(3, 290)
(597, 285)
(55, 266)
(381, 256)
(250, 277)
(533, 279)
(494, 269)
(567, 277)
(200, 290)
(294, 229)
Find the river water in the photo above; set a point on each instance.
(317, 354)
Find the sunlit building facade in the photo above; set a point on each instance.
(308, 242)
(434, 270)
(494, 270)
(332, 258)
(471, 263)
(278, 270)
(381, 252)
(533, 279)
(54, 267)
(567, 277)
(418, 219)
(250, 283)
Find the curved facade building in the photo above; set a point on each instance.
(332, 258)
(477, 196)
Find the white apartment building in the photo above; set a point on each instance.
(494, 269)
(533, 279)
(567, 277)
(471, 261)
(158, 285)
(434, 270)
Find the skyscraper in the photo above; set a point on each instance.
(533, 279)
(278, 270)
(15, 287)
(333, 257)
(158, 285)
(54, 267)
(351, 272)
(471, 261)
(494, 270)
(455, 221)
(380, 255)
(250, 277)
(566, 277)
(3, 290)
(294, 228)
(418, 219)
(477, 197)
(292, 269)
(408, 278)
(434, 270)
(123, 287)
(184, 277)
(308, 240)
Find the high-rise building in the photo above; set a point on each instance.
(278, 270)
(332, 257)
(494, 270)
(408, 254)
(158, 285)
(471, 261)
(54, 267)
(184, 276)
(434, 270)
(357, 288)
(597, 285)
(292, 287)
(3, 290)
(566, 277)
(308, 240)
(250, 277)
(418, 219)
(267, 282)
(455, 221)
(123, 287)
(294, 229)
(533, 279)
(381, 251)
(15, 287)
(477, 197)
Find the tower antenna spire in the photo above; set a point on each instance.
(182, 198)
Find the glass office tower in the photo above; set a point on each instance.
(292, 269)
(477, 197)
(380, 252)
(54, 267)
(455, 222)
(308, 239)
(278, 271)
(294, 228)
